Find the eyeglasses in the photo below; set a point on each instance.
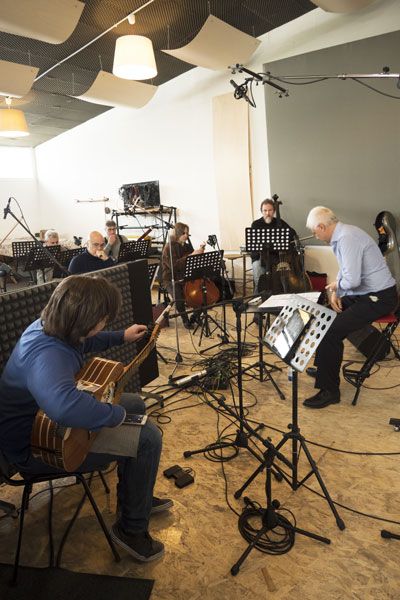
(97, 244)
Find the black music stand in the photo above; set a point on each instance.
(276, 239)
(153, 271)
(65, 258)
(294, 336)
(40, 259)
(133, 250)
(202, 266)
(22, 249)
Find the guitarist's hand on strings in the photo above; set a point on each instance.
(134, 333)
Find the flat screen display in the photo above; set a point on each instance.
(145, 194)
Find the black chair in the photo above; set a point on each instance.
(357, 377)
(8, 475)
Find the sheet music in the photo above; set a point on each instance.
(279, 300)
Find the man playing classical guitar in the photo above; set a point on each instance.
(40, 374)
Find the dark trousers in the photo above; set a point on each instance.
(136, 476)
(358, 311)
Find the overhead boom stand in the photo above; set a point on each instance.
(294, 337)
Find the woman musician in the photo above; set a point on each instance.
(177, 250)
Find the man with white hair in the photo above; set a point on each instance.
(94, 258)
(364, 291)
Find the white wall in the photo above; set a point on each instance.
(23, 188)
(171, 138)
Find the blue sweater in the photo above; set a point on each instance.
(86, 263)
(40, 373)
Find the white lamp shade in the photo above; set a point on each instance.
(13, 123)
(134, 58)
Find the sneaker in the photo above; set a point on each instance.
(322, 398)
(139, 545)
(160, 504)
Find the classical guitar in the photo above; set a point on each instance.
(65, 447)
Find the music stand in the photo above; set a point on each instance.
(22, 249)
(153, 271)
(133, 250)
(275, 239)
(294, 336)
(202, 266)
(40, 259)
(65, 258)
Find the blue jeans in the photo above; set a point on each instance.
(136, 476)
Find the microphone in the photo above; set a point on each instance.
(7, 209)
(190, 378)
(241, 92)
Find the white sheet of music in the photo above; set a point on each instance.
(279, 300)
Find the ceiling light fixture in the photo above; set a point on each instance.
(12, 122)
(134, 56)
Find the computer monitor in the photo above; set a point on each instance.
(142, 195)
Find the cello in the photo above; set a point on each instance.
(201, 291)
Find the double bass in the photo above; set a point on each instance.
(288, 274)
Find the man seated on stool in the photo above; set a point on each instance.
(364, 291)
(113, 240)
(41, 374)
(268, 221)
(94, 258)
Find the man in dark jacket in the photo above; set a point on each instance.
(260, 259)
(94, 258)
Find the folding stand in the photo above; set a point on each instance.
(294, 336)
(202, 266)
(276, 239)
(65, 258)
(40, 259)
(133, 250)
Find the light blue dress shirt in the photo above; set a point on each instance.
(362, 268)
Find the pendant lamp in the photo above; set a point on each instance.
(12, 122)
(134, 58)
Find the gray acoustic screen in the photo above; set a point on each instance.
(20, 308)
(336, 143)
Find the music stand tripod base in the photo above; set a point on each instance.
(294, 337)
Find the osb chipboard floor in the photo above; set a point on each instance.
(201, 534)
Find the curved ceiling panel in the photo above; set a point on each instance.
(50, 21)
(216, 46)
(109, 90)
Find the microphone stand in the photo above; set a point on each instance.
(213, 241)
(8, 211)
(178, 356)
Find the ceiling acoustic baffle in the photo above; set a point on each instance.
(342, 6)
(109, 90)
(51, 21)
(16, 80)
(216, 46)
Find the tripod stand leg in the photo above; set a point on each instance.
(236, 567)
(217, 446)
(339, 521)
(389, 535)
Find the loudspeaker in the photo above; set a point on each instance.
(366, 340)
